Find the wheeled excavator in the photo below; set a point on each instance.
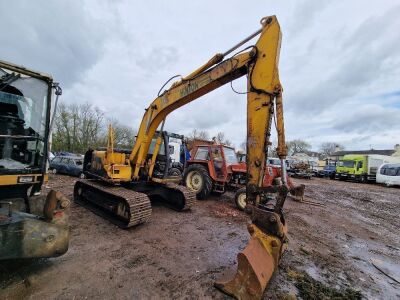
(123, 184)
(32, 225)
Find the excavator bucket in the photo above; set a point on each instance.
(42, 234)
(256, 264)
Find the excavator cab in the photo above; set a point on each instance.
(32, 225)
(170, 160)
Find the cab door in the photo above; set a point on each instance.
(359, 167)
(217, 162)
(63, 166)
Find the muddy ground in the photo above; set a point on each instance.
(179, 255)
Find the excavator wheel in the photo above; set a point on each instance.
(197, 179)
(240, 199)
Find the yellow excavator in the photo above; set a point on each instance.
(121, 184)
(32, 225)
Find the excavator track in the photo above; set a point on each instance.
(172, 195)
(122, 207)
(189, 196)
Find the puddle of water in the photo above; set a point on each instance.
(367, 252)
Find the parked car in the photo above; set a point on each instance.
(328, 171)
(388, 174)
(51, 156)
(70, 165)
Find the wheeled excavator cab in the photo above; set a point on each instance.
(32, 225)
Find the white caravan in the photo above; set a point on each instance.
(389, 174)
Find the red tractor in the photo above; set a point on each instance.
(215, 168)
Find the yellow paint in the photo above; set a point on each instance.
(267, 241)
(13, 179)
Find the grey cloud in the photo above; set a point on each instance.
(51, 36)
(117, 55)
(371, 119)
(304, 15)
(158, 58)
(360, 63)
(203, 114)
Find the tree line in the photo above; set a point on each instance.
(78, 127)
(219, 138)
(301, 146)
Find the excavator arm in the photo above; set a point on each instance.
(259, 63)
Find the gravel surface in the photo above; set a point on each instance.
(179, 255)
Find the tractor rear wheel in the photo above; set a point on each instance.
(197, 178)
(174, 172)
(240, 199)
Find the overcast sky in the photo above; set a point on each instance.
(339, 65)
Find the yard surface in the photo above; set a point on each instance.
(179, 255)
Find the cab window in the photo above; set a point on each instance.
(230, 156)
(202, 153)
(391, 171)
(56, 160)
(64, 160)
(383, 170)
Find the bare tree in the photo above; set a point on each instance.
(220, 138)
(198, 134)
(62, 133)
(243, 146)
(328, 148)
(124, 136)
(272, 149)
(297, 146)
(78, 127)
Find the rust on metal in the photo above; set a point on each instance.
(259, 260)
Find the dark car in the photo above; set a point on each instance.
(328, 171)
(70, 165)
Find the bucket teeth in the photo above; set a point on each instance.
(256, 265)
(255, 268)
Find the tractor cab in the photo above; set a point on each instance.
(218, 159)
(210, 169)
